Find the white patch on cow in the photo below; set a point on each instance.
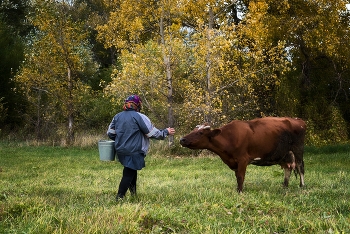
(257, 159)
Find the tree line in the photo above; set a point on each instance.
(66, 66)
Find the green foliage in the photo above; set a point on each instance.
(3, 111)
(327, 129)
(316, 35)
(95, 113)
(69, 190)
(10, 58)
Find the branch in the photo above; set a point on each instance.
(234, 82)
(40, 90)
(222, 10)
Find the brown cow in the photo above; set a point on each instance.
(262, 142)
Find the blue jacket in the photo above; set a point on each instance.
(131, 131)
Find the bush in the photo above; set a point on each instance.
(329, 128)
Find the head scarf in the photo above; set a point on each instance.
(133, 102)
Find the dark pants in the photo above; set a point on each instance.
(128, 181)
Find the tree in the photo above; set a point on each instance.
(12, 31)
(317, 38)
(57, 57)
(93, 13)
(133, 27)
(210, 76)
(234, 66)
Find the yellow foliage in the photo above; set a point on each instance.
(56, 56)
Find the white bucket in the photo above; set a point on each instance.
(106, 150)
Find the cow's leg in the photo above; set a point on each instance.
(300, 168)
(240, 174)
(299, 151)
(289, 167)
(287, 173)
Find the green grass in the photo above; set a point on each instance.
(69, 190)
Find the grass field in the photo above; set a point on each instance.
(69, 190)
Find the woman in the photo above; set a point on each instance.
(131, 131)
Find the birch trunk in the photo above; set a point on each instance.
(167, 65)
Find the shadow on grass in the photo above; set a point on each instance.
(328, 149)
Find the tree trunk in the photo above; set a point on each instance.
(167, 65)
(208, 98)
(70, 109)
(38, 121)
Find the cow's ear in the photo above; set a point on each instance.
(215, 132)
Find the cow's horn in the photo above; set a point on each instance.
(202, 127)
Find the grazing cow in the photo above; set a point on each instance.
(262, 142)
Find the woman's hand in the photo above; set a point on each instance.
(171, 131)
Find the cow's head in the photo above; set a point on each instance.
(200, 137)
